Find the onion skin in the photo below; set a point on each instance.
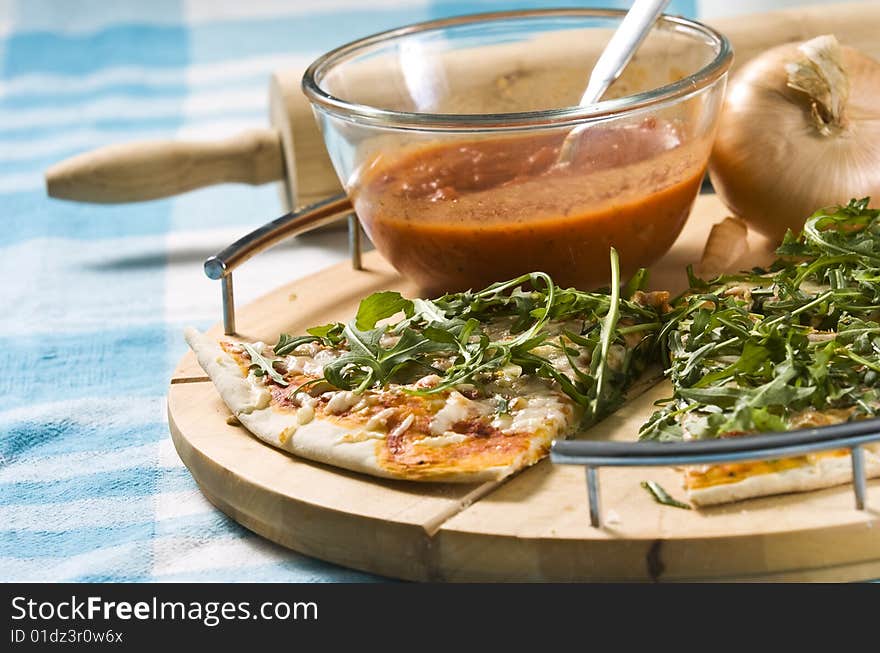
(770, 164)
(727, 244)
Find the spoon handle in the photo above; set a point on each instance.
(626, 39)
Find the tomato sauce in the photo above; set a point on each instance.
(465, 214)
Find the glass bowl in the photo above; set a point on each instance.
(446, 137)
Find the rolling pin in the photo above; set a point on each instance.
(292, 150)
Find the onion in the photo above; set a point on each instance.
(800, 130)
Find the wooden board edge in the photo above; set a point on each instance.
(398, 553)
(462, 556)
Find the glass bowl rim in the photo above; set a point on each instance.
(366, 114)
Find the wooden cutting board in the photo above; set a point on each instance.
(532, 527)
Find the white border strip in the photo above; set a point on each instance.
(205, 103)
(221, 72)
(88, 16)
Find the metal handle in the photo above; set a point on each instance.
(221, 265)
(593, 455)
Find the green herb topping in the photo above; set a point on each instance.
(755, 352)
(261, 366)
(591, 344)
(662, 496)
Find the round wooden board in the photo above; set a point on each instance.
(532, 527)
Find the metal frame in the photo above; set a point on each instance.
(593, 455)
(221, 265)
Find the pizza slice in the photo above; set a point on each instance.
(794, 346)
(467, 387)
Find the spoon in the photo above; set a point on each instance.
(620, 49)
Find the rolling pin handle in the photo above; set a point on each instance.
(148, 170)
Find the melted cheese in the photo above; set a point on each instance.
(540, 410)
(361, 436)
(443, 440)
(379, 421)
(304, 399)
(401, 428)
(312, 364)
(259, 395)
(340, 401)
(457, 408)
(305, 414)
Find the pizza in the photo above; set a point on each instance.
(466, 387)
(475, 386)
(794, 346)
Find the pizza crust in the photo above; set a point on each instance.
(319, 439)
(825, 472)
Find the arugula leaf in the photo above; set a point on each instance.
(262, 366)
(410, 345)
(778, 392)
(368, 363)
(353, 372)
(362, 342)
(330, 334)
(428, 311)
(752, 357)
(440, 335)
(379, 306)
(723, 396)
(287, 343)
(662, 496)
(609, 324)
(639, 281)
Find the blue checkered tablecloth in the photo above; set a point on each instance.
(94, 298)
